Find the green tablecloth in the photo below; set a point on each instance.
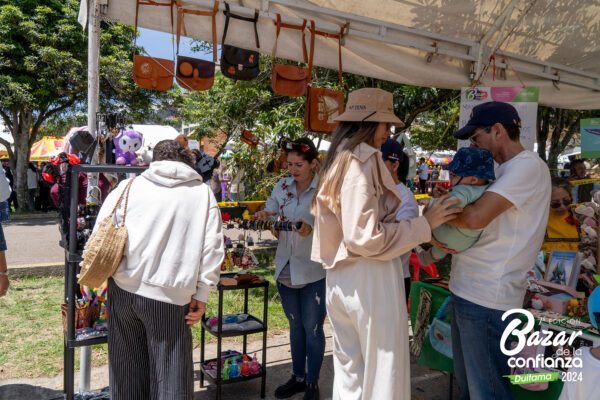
(433, 359)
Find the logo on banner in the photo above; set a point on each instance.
(554, 364)
(476, 94)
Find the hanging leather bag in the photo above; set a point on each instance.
(290, 80)
(237, 63)
(249, 138)
(322, 104)
(151, 72)
(193, 73)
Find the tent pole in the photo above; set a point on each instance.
(93, 196)
(93, 98)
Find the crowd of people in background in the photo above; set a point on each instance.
(37, 187)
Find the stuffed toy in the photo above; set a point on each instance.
(126, 144)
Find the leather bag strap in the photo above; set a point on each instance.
(181, 24)
(229, 14)
(337, 36)
(150, 3)
(302, 28)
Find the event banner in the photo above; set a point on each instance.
(524, 99)
(590, 138)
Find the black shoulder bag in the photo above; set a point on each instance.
(237, 63)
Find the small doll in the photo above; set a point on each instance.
(126, 144)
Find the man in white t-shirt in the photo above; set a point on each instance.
(490, 277)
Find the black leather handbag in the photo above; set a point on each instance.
(237, 63)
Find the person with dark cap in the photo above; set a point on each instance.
(398, 164)
(471, 172)
(490, 278)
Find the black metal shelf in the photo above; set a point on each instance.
(234, 333)
(241, 378)
(100, 339)
(221, 289)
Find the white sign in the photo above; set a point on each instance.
(525, 100)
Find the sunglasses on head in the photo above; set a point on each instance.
(289, 145)
(557, 203)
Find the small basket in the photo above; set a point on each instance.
(85, 316)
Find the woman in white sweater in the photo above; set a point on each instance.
(170, 264)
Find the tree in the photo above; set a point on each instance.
(43, 73)
(560, 127)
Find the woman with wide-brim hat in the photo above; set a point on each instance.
(359, 242)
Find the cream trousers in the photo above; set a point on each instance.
(367, 310)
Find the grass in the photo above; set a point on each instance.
(31, 336)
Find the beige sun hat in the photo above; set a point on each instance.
(370, 105)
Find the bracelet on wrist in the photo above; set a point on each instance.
(5, 273)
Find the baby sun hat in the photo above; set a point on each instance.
(473, 161)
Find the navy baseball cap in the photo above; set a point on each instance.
(488, 114)
(392, 150)
(473, 161)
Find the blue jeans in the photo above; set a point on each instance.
(305, 311)
(479, 365)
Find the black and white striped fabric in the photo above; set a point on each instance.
(149, 348)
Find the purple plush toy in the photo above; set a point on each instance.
(126, 144)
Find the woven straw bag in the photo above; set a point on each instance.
(104, 249)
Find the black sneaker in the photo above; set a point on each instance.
(311, 392)
(290, 388)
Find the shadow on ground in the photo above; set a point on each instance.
(22, 391)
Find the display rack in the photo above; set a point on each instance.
(219, 334)
(72, 260)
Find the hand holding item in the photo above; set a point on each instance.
(440, 212)
(197, 309)
(304, 230)
(264, 215)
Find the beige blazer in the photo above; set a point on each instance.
(366, 224)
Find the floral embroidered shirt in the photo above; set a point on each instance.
(292, 247)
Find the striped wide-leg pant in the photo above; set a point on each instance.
(149, 348)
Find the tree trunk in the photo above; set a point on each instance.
(20, 134)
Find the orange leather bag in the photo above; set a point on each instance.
(249, 138)
(290, 80)
(193, 73)
(151, 72)
(322, 104)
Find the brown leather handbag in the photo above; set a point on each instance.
(290, 80)
(151, 72)
(322, 104)
(249, 138)
(193, 73)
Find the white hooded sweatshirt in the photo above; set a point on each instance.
(175, 246)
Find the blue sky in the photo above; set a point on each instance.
(159, 44)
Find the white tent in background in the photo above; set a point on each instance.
(445, 44)
(152, 135)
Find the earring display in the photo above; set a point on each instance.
(257, 225)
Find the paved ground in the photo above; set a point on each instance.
(32, 241)
(425, 383)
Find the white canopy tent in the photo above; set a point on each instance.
(553, 44)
